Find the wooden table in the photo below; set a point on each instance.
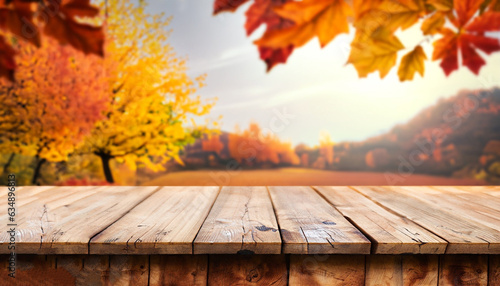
(253, 236)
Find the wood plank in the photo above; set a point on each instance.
(129, 270)
(388, 232)
(86, 270)
(242, 220)
(247, 270)
(65, 225)
(474, 207)
(384, 270)
(310, 225)
(407, 270)
(493, 191)
(420, 270)
(325, 269)
(494, 270)
(180, 270)
(463, 270)
(464, 236)
(478, 197)
(35, 270)
(165, 223)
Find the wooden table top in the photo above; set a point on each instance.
(247, 220)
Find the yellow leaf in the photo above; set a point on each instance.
(442, 5)
(377, 51)
(433, 24)
(322, 18)
(411, 63)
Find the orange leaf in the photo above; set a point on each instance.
(273, 57)
(465, 9)
(433, 24)
(227, 5)
(322, 18)
(262, 12)
(411, 63)
(442, 5)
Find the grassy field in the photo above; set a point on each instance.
(297, 177)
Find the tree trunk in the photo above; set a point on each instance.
(9, 162)
(107, 169)
(36, 174)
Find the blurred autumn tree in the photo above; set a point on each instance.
(458, 29)
(152, 97)
(253, 147)
(50, 107)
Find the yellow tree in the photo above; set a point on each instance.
(152, 97)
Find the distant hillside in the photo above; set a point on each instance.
(458, 136)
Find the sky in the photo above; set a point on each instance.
(315, 91)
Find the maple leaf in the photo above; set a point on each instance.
(391, 14)
(64, 27)
(411, 63)
(433, 24)
(377, 51)
(469, 38)
(227, 5)
(441, 5)
(17, 17)
(322, 18)
(262, 12)
(7, 63)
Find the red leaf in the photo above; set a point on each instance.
(17, 17)
(470, 58)
(65, 29)
(273, 57)
(7, 62)
(487, 45)
(465, 10)
(227, 5)
(488, 22)
(262, 12)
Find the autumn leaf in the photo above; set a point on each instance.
(227, 5)
(64, 27)
(411, 63)
(468, 39)
(377, 51)
(392, 15)
(7, 63)
(17, 17)
(262, 12)
(324, 19)
(442, 5)
(433, 24)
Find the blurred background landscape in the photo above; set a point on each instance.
(181, 98)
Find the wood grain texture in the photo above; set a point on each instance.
(129, 270)
(458, 270)
(384, 270)
(420, 270)
(310, 225)
(247, 270)
(494, 270)
(388, 232)
(464, 236)
(86, 270)
(474, 207)
(62, 220)
(335, 270)
(180, 270)
(165, 223)
(242, 220)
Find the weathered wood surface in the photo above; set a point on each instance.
(242, 220)
(63, 220)
(310, 225)
(322, 220)
(181, 270)
(326, 269)
(247, 270)
(463, 270)
(388, 232)
(464, 236)
(165, 223)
